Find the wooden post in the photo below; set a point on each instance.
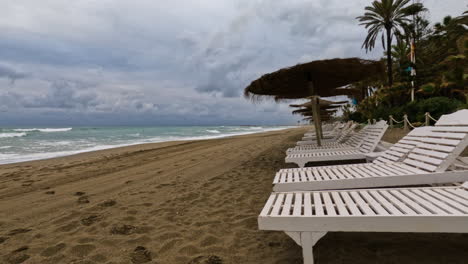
(316, 117)
(405, 122)
(427, 119)
(390, 120)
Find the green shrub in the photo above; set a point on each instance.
(415, 110)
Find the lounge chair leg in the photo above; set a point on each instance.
(308, 240)
(301, 164)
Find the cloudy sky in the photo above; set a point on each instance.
(154, 62)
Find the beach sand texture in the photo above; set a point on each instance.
(177, 202)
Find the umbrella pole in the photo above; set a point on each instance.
(316, 117)
(319, 118)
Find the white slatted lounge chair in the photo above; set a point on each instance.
(422, 157)
(369, 143)
(313, 143)
(352, 142)
(328, 135)
(339, 137)
(334, 130)
(308, 216)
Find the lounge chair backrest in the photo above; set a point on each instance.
(345, 134)
(442, 144)
(400, 150)
(373, 136)
(356, 139)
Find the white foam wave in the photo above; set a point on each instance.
(5, 147)
(214, 131)
(47, 130)
(11, 135)
(13, 158)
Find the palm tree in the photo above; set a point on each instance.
(388, 15)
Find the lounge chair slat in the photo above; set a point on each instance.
(339, 204)
(409, 202)
(425, 159)
(267, 208)
(397, 203)
(441, 141)
(374, 204)
(278, 204)
(318, 204)
(361, 203)
(436, 147)
(297, 204)
(287, 204)
(350, 204)
(426, 204)
(420, 165)
(307, 205)
(450, 199)
(385, 203)
(330, 208)
(429, 196)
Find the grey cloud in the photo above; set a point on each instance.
(65, 95)
(188, 66)
(13, 75)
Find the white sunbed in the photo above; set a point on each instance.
(308, 216)
(333, 131)
(369, 143)
(309, 138)
(351, 140)
(343, 136)
(422, 157)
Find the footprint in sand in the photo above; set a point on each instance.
(140, 255)
(17, 256)
(122, 229)
(108, 203)
(18, 231)
(87, 221)
(209, 241)
(211, 259)
(82, 250)
(68, 227)
(50, 251)
(83, 200)
(50, 192)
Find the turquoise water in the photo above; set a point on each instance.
(22, 144)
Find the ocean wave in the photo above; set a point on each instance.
(214, 131)
(11, 135)
(5, 147)
(47, 130)
(38, 151)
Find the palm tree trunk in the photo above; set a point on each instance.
(389, 57)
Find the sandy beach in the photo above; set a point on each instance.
(176, 202)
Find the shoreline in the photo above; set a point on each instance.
(51, 155)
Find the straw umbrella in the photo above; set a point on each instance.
(317, 78)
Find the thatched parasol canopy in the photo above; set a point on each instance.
(324, 104)
(326, 77)
(308, 112)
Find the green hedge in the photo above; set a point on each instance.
(416, 110)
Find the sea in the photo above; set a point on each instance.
(33, 143)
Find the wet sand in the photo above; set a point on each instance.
(177, 202)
